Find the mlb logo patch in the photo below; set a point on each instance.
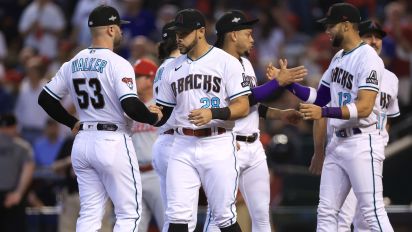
(128, 81)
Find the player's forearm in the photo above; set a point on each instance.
(263, 92)
(26, 177)
(239, 107)
(319, 97)
(55, 110)
(137, 111)
(269, 112)
(319, 135)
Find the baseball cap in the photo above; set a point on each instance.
(188, 20)
(145, 67)
(105, 15)
(167, 32)
(371, 26)
(341, 12)
(234, 20)
(7, 120)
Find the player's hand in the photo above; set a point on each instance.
(316, 163)
(12, 199)
(157, 110)
(310, 111)
(200, 117)
(290, 116)
(76, 128)
(284, 75)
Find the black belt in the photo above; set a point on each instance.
(103, 127)
(343, 133)
(249, 139)
(169, 132)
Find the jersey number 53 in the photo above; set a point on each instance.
(83, 96)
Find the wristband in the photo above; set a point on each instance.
(262, 110)
(332, 112)
(220, 113)
(353, 110)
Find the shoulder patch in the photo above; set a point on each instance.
(128, 81)
(373, 78)
(246, 80)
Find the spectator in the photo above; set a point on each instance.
(47, 146)
(16, 170)
(31, 116)
(41, 24)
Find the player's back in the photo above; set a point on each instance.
(97, 80)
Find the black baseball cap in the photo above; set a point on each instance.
(104, 15)
(371, 26)
(341, 12)
(7, 120)
(234, 20)
(167, 32)
(188, 20)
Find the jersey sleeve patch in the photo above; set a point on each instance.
(51, 93)
(373, 78)
(128, 81)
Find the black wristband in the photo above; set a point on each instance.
(262, 109)
(220, 113)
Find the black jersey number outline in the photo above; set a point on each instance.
(83, 97)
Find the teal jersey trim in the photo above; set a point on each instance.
(241, 93)
(127, 95)
(373, 179)
(51, 93)
(210, 49)
(350, 51)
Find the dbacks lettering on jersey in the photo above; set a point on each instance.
(342, 77)
(197, 81)
(385, 100)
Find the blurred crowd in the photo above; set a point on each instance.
(38, 36)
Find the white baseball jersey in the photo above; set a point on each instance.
(349, 72)
(143, 137)
(90, 77)
(387, 99)
(202, 83)
(156, 86)
(249, 124)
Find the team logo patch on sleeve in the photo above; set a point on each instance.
(128, 81)
(373, 78)
(246, 81)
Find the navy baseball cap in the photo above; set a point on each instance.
(167, 32)
(371, 26)
(341, 12)
(105, 15)
(234, 20)
(188, 20)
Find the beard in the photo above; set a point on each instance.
(117, 40)
(337, 41)
(185, 49)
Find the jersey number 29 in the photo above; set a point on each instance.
(83, 96)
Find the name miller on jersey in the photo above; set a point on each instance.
(197, 81)
(342, 77)
(87, 64)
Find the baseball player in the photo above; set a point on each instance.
(204, 87)
(234, 35)
(143, 138)
(355, 152)
(162, 147)
(103, 88)
(372, 33)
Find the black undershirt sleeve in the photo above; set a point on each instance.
(56, 110)
(252, 100)
(167, 111)
(137, 111)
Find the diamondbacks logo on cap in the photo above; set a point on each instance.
(113, 18)
(344, 17)
(235, 20)
(90, 23)
(128, 81)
